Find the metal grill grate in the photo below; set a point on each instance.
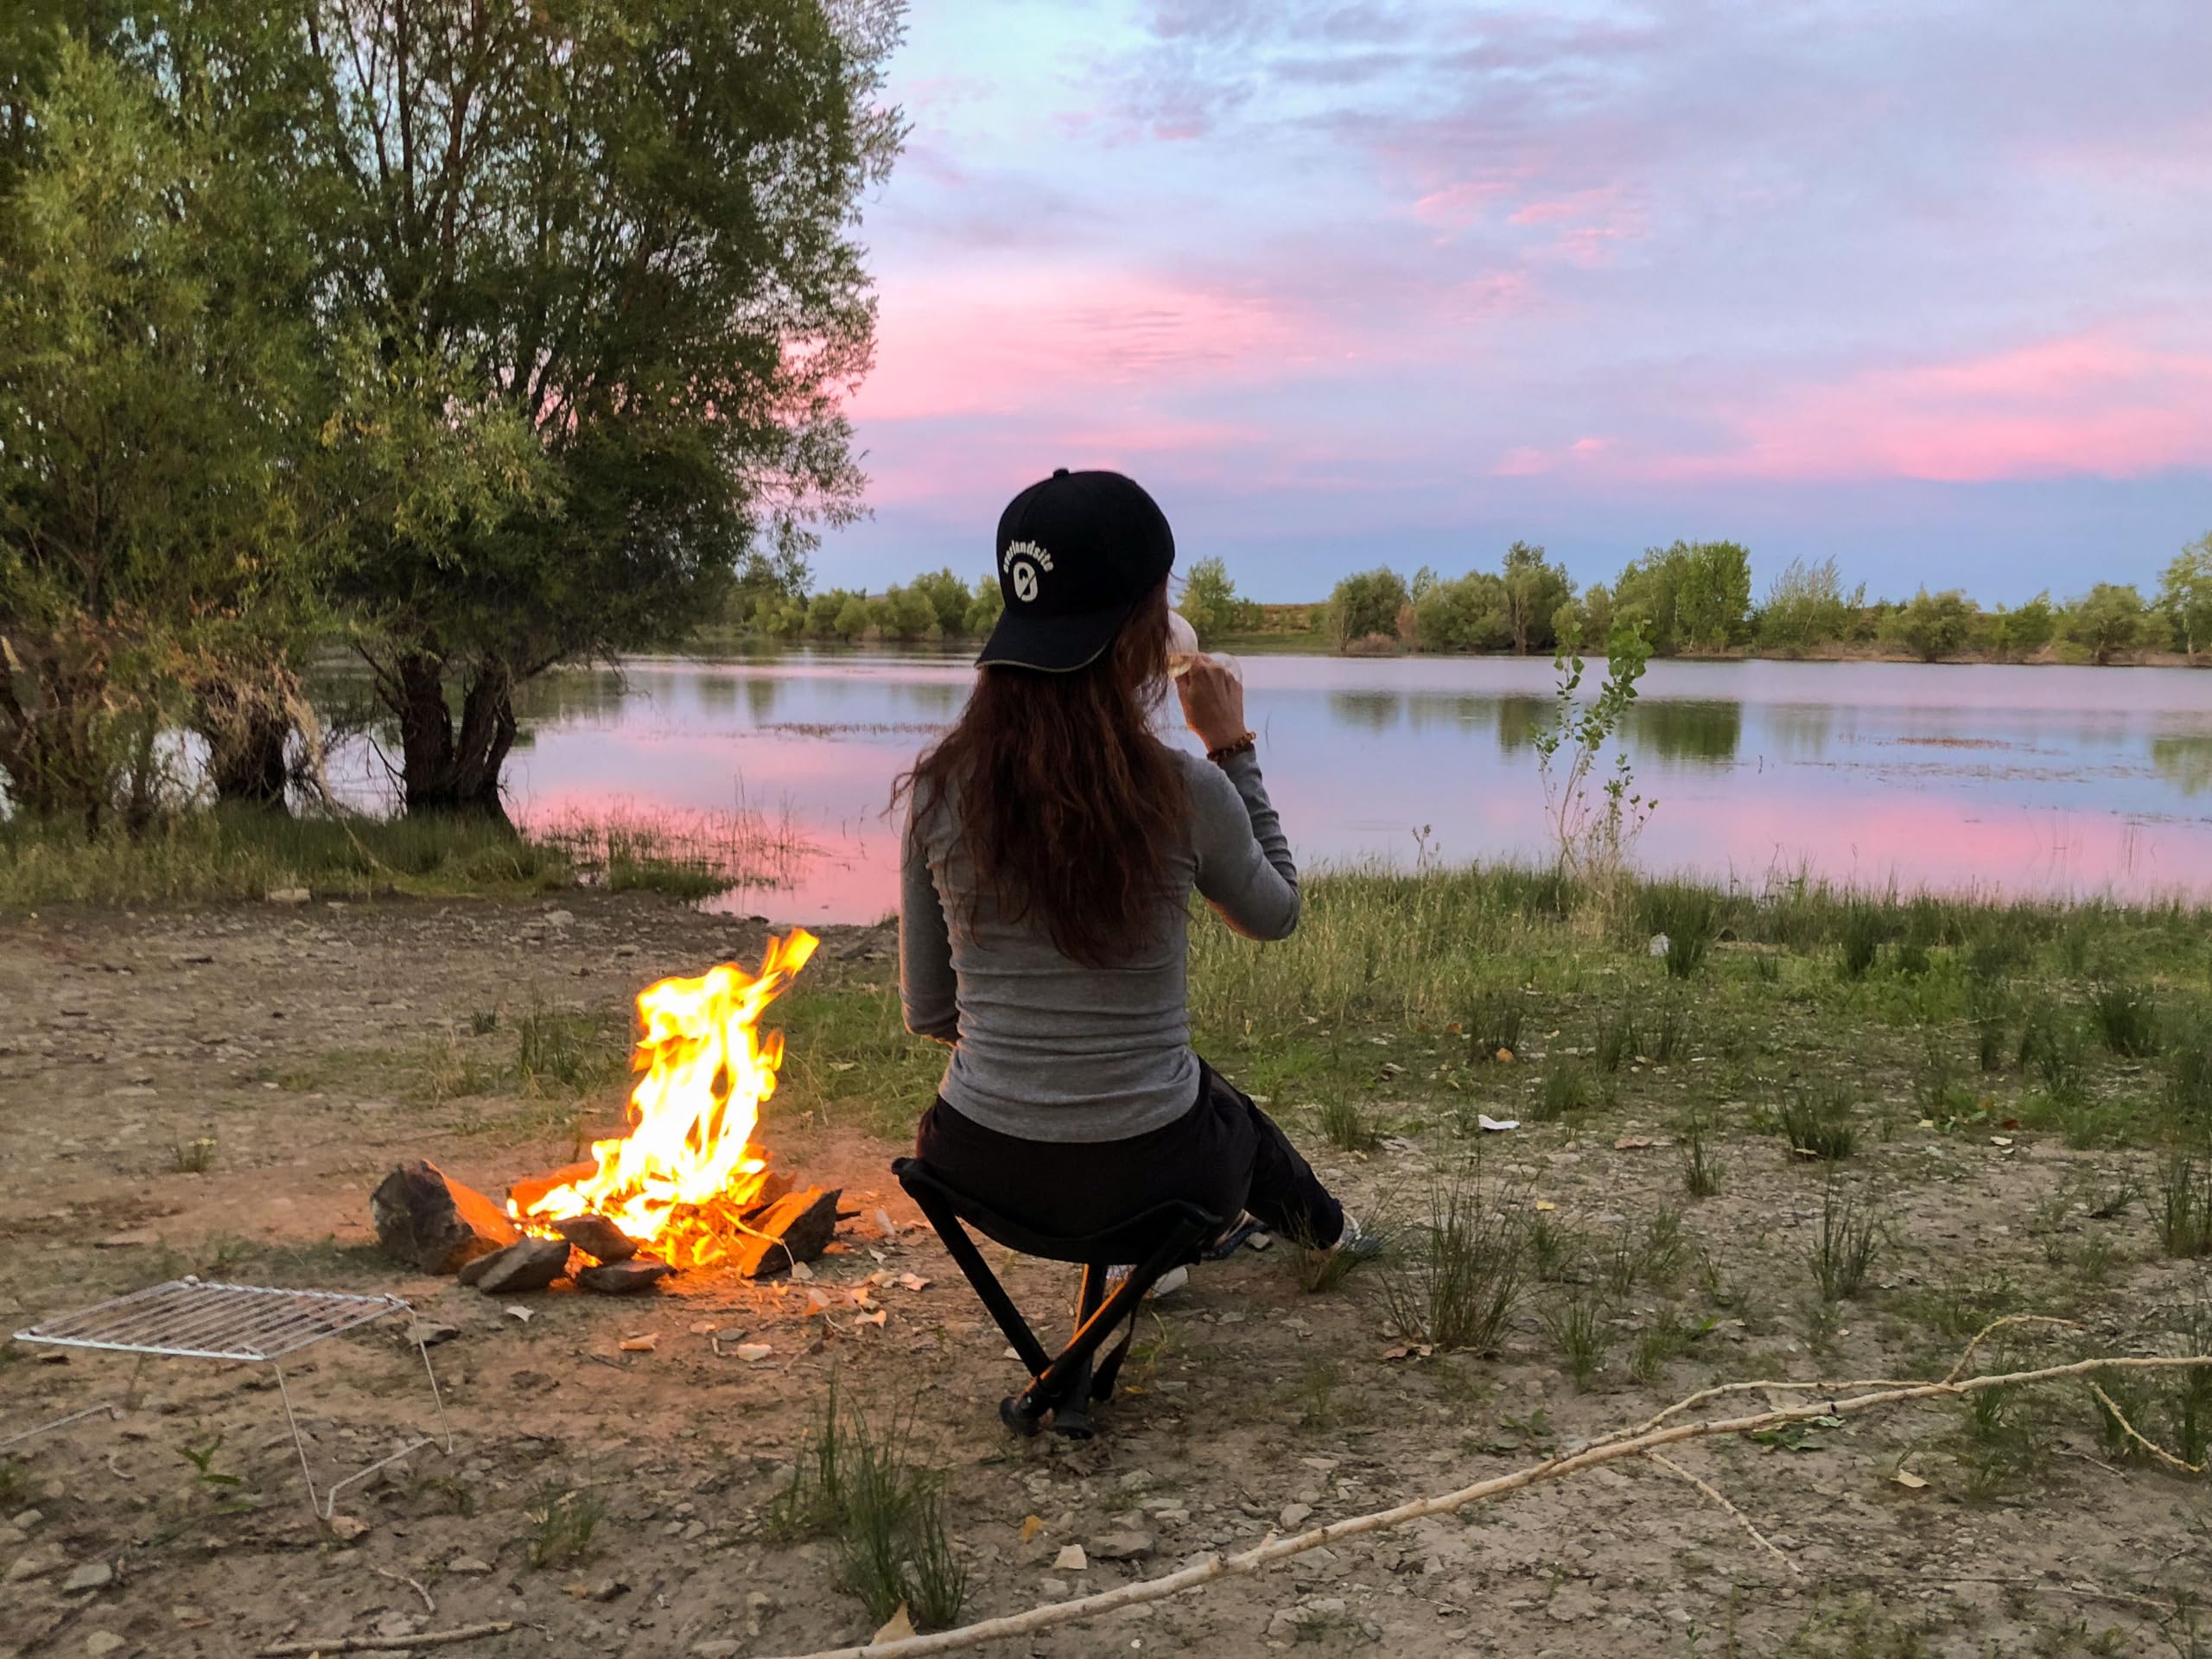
(187, 1318)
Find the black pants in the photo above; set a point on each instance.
(1224, 1154)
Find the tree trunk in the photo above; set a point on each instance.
(51, 742)
(449, 768)
(246, 738)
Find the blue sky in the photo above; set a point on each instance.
(1922, 286)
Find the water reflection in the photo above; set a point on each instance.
(2186, 760)
(1371, 711)
(1708, 734)
(2020, 777)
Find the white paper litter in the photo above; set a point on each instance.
(1484, 1121)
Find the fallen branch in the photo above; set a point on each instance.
(2134, 1435)
(387, 1644)
(1210, 1567)
(1741, 1519)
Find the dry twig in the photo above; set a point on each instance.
(1741, 1519)
(388, 1643)
(429, 1606)
(2133, 1433)
(1266, 1554)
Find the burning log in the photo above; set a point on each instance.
(527, 1264)
(797, 1227)
(434, 1223)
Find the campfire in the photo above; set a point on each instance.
(684, 1187)
(682, 1181)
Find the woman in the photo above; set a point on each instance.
(1052, 841)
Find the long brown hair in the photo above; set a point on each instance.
(1067, 804)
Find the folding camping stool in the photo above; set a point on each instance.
(1167, 1236)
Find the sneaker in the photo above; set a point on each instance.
(1166, 1285)
(1356, 1241)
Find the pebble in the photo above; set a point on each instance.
(1122, 1546)
(103, 1641)
(92, 1575)
(1294, 1514)
(720, 1646)
(468, 1564)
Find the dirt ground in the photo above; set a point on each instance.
(287, 1036)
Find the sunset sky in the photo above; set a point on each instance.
(1926, 285)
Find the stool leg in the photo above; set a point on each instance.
(1071, 1417)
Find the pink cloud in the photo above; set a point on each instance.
(2083, 404)
(1523, 461)
(1035, 339)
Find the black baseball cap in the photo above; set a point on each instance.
(1075, 553)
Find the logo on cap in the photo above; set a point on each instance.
(1022, 560)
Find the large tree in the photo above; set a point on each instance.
(626, 225)
(151, 430)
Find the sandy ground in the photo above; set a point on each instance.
(287, 1035)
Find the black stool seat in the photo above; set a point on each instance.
(1063, 1384)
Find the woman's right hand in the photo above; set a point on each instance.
(1213, 702)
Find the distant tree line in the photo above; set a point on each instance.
(469, 340)
(942, 606)
(1696, 598)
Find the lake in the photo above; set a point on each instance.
(2045, 780)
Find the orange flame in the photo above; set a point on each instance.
(687, 1167)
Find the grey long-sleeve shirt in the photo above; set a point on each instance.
(1045, 1048)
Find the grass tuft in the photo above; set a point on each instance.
(1817, 1123)
(1850, 1240)
(564, 1523)
(1497, 1026)
(1579, 1322)
(1703, 1174)
(1345, 1126)
(2126, 1017)
(1459, 1281)
(1565, 1094)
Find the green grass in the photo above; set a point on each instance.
(200, 857)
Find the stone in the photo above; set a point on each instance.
(526, 1264)
(719, 1647)
(468, 1564)
(797, 1227)
(101, 1642)
(347, 1528)
(597, 1237)
(1070, 1559)
(1122, 1546)
(1294, 1515)
(436, 1223)
(289, 895)
(624, 1278)
(92, 1575)
(32, 1564)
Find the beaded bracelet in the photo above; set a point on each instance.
(1244, 745)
